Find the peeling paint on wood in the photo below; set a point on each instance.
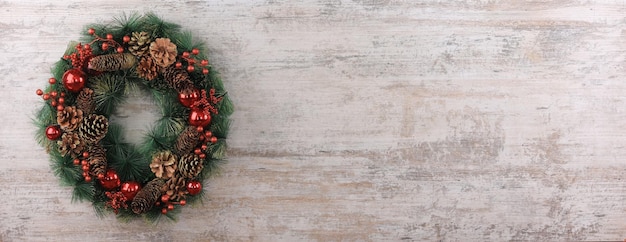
(362, 120)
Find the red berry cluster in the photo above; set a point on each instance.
(108, 42)
(169, 205)
(206, 137)
(116, 201)
(186, 56)
(81, 56)
(57, 99)
(207, 103)
(85, 167)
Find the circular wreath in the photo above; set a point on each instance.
(184, 147)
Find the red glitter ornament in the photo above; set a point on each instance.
(110, 180)
(130, 189)
(53, 132)
(194, 187)
(74, 80)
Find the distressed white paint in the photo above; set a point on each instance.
(362, 120)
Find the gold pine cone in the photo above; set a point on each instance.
(163, 51)
(71, 144)
(163, 164)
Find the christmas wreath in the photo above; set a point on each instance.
(145, 54)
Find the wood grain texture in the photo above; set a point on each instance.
(364, 120)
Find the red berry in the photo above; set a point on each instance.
(85, 174)
(91, 31)
(190, 68)
(202, 156)
(191, 61)
(88, 179)
(84, 162)
(179, 65)
(165, 198)
(195, 51)
(205, 71)
(62, 94)
(53, 103)
(52, 80)
(208, 133)
(213, 139)
(109, 36)
(53, 94)
(39, 92)
(105, 46)
(46, 96)
(170, 207)
(85, 168)
(186, 54)
(183, 202)
(164, 211)
(126, 39)
(60, 108)
(204, 62)
(197, 151)
(204, 147)
(100, 176)
(61, 100)
(85, 154)
(87, 46)
(120, 49)
(199, 129)
(76, 161)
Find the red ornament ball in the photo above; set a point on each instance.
(110, 180)
(199, 117)
(130, 189)
(53, 132)
(194, 187)
(188, 97)
(74, 80)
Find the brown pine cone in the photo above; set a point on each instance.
(71, 144)
(147, 69)
(177, 78)
(139, 43)
(147, 196)
(163, 164)
(187, 141)
(85, 102)
(97, 160)
(163, 51)
(189, 166)
(175, 187)
(69, 118)
(93, 128)
(112, 62)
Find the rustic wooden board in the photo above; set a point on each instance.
(361, 120)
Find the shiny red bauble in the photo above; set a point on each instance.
(199, 117)
(74, 80)
(194, 187)
(110, 180)
(130, 189)
(188, 97)
(53, 132)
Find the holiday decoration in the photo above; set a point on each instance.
(130, 189)
(87, 148)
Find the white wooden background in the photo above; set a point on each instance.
(363, 120)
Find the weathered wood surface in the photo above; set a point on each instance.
(362, 120)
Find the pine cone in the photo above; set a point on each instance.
(187, 141)
(175, 187)
(85, 102)
(163, 164)
(69, 118)
(97, 160)
(147, 69)
(71, 144)
(147, 196)
(189, 166)
(139, 43)
(112, 62)
(163, 51)
(93, 128)
(178, 79)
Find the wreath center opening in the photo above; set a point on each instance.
(137, 115)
